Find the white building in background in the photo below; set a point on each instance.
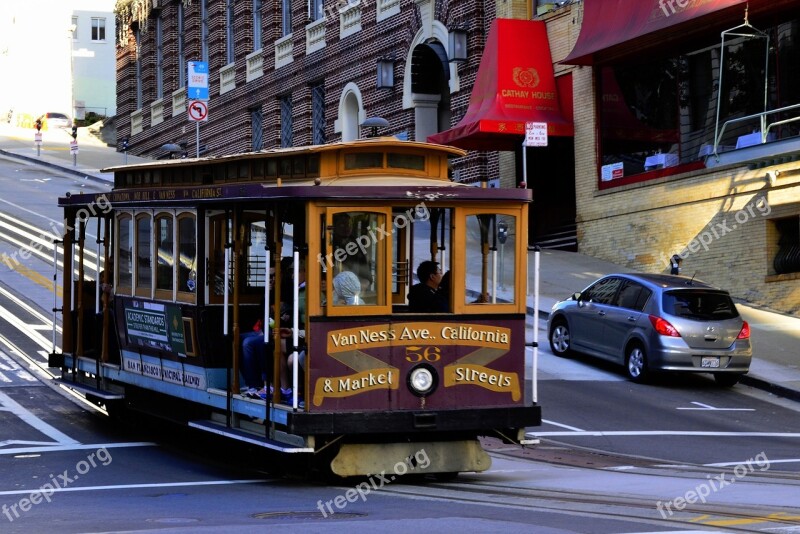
(57, 55)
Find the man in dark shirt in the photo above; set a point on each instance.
(425, 297)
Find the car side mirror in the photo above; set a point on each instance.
(576, 296)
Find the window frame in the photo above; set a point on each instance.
(459, 261)
(140, 290)
(120, 289)
(98, 32)
(382, 271)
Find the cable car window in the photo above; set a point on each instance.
(272, 168)
(490, 246)
(124, 254)
(258, 169)
(299, 167)
(363, 160)
(255, 254)
(187, 250)
(144, 273)
(356, 262)
(313, 165)
(216, 257)
(285, 168)
(164, 244)
(406, 161)
(430, 239)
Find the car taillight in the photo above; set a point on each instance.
(663, 327)
(744, 333)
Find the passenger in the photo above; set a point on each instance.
(425, 297)
(256, 353)
(346, 289)
(344, 238)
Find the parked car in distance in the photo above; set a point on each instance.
(52, 120)
(654, 322)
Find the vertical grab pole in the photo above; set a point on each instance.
(226, 293)
(266, 294)
(55, 289)
(97, 277)
(534, 375)
(494, 259)
(295, 325)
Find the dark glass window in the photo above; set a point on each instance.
(699, 304)
(363, 160)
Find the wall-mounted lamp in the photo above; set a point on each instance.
(458, 44)
(385, 73)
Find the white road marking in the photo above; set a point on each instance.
(141, 486)
(610, 433)
(728, 464)
(573, 428)
(709, 407)
(10, 366)
(76, 447)
(29, 332)
(51, 432)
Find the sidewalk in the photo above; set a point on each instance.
(54, 152)
(776, 362)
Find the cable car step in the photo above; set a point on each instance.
(90, 392)
(248, 437)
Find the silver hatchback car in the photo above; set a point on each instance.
(654, 322)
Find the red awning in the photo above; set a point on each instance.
(612, 28)
(514, 85)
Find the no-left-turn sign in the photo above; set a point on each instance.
(198, 111)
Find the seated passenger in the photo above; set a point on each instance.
(425, 297)
(346, 289)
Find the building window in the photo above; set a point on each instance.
(318, 113)
(181, 58)
(286, 17)
(138, 37)
(286, 121)
(204, 30)
(98, 29)
(315, 10)
(661, 112)
(787, 259)
(257, 126)
(74, 28)
(256, 25)
(230, 55)
(159, 58)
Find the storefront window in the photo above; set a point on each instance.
(661, 112)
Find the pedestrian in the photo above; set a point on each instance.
(675, 264)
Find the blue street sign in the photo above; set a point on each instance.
(197, 88)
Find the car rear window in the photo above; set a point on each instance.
(697, 304)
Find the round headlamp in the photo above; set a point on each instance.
(422, 380)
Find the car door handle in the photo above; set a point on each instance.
(601, 313)
(631, 318)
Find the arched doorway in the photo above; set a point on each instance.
(430, 89)
(351, 113)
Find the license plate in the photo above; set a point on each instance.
(709, 361)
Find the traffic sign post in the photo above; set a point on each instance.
(535, 135)
(37, 139)
(197, 86)
(197, 91)
(198, 112)
(73, 149)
